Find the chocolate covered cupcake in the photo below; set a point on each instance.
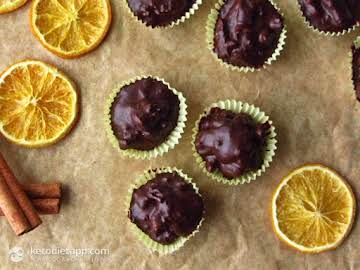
(145, 117)
(233, 142)
(331, 16)
(162, 13)
(165, 209)
(245, 34)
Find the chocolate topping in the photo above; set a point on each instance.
(331, 15)
(160, 12)
(232, 143)
(356, 70)
(143, 114)
(166, 207)
(247, 32)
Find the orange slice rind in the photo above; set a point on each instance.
(38, 104)
(313, 209)
(70, 28)
(7, 6)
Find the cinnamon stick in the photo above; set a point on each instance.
(42, 190)
(12, 209)
(45, 197)
(44, 206)
(20, 196)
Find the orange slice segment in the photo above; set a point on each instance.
(70, 28)
(38, 104)
(313, 209)
(10, 5)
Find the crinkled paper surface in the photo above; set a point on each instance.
(307, 93)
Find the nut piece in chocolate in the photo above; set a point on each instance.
(144, 114)
(331, 15)
(247, 32)
(166, 208)
(160, 12)
(231, 143)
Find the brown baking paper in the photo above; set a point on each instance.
(307, 93)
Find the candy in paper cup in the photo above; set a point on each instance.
(210, 36)
(170, 141)
(260, 118)
(354, 48)
(182, 19)
(325, 33)
(143, 237)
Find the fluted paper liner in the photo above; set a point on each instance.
(170, 141)
(143, 237)
(325, 33)
(259, 117)
(210, 35)
(182, 19)
(356, 43)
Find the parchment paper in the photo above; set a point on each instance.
(307, 93)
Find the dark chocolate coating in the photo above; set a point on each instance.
(356, 71)
(166, 207)
(160, 12)
(331, 15)
(143, 114)
(247, 32)
(231, 143)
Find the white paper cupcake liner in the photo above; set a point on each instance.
(182, 19)
(143, 237)
(325, 33)
(210, 35)
(259, 117)
(356, 44)
(171, 140)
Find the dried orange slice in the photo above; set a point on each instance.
(70, 28)
(10, 5)
(313, 209)
(38, 104)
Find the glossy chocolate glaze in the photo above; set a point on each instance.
(247, 32)
(331, 15)
(356, 71)
(231, 143)
(166, 207)
(143, 114)
(160, 12)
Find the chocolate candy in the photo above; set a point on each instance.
(160, 12)
(331, 15)
(247, 32)
(166, 207)
(231, 143)
(356, 70)
(143, 114)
